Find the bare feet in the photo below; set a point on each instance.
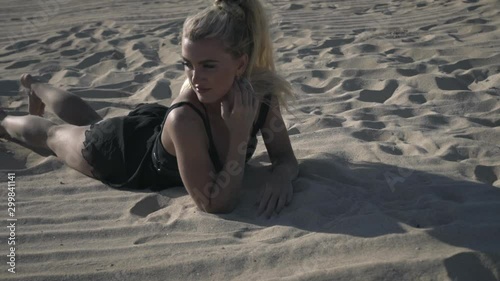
(35, 104)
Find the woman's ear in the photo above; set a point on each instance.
(242, 65)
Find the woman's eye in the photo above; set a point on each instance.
(209, 66)
(186, 64)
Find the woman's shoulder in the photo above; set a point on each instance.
(185, 111)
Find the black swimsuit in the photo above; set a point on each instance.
(126, 152)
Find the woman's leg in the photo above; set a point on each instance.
(67, 106)
(65, 141)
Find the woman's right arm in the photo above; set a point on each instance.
(212, 192)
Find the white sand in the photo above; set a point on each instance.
(396, 130)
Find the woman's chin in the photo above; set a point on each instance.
(204, 98)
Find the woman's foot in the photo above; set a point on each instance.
(35, 104)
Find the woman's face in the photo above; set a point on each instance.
(210, 69)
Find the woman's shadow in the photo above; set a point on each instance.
(374, 199)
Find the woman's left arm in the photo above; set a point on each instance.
(279, 190)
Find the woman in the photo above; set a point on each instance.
(203, 140)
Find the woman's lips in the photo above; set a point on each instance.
(202, 90)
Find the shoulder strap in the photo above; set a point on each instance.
(212, 150)
(179, 104)
(264, 108)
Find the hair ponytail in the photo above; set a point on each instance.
(256, 20)
(243, 27)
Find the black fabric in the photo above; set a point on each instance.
(126, 152)
(252, 143)
(119, 148)
(264, 108)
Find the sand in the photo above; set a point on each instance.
(396, 129)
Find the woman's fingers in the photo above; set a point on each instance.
(281, 201)
(271, 201)
(271, 206)
(264, 200)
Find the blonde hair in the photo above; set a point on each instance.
(243, 28)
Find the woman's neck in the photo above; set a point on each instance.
(213, 109)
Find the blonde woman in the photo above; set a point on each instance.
(206, 136)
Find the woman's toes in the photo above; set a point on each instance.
(27, 80)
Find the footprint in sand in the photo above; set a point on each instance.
(331, 83)
(419, 69)
(487, 174)
(379, 96)
(370, 135)
(336, 42)
(421, 4)
(480, 266)
(293, 7)
(417, 98)
(372, 125)
(485, 122)
(451, 84)
(20, 44)
(396, 59)
(449, 68)
(353, 84)
(146, 206)
(390, 149)
(477, 21)
(9, 87)
(401, 112)
(427, 27)
(98, 57)
(473, 8)
(21, 64)
(455, 154)
(455, 20)
(306, 51)
(68, 53)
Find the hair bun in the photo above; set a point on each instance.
(233, 7)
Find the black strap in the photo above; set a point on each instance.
(212, 150)
(175, 105)
(264, 108)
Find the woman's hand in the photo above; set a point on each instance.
(239, 119)
(276, 195)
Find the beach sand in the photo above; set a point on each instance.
(395, 127)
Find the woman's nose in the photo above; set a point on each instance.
(198, 76)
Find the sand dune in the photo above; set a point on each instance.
(396, 129)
